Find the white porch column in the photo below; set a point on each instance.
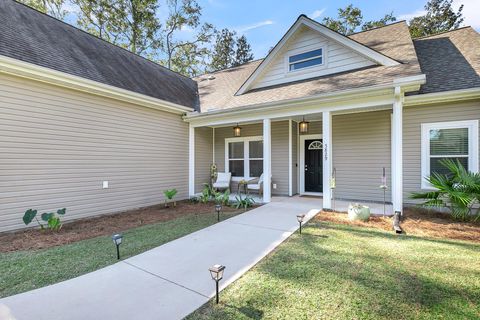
(267, 160)
(191, 160)
(327, 158)
(397, 151)
(290, 160)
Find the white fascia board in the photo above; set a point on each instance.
(442, 97)
(349, 43)
(31, 71)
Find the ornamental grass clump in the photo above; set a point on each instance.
(458, 190)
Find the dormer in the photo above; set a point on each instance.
(309, 50)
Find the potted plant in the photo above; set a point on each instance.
(169, 194)
(358, 212)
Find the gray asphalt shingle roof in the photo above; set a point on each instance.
(30, 36)
(450, 60)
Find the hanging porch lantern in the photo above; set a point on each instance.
(237, 131)
(303, 125)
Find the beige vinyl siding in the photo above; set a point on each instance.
(361, 148)
(280, 157)
(279, 151)
(203, 156)
(413, 117)
(337, 58)
(58, 145)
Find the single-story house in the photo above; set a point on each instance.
(90, 126)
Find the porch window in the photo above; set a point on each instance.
(305, 60)
(244, 157)
(456, 140)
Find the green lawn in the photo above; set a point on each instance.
(342, 272)
(26, 270)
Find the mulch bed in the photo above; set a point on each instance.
(32, 239)
(418, 222)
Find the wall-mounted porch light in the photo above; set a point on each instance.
(303, 126)
(217, 274)
(237, 131)
(117, 240)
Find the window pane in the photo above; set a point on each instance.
(236, 168)
(436, 166)
(305, 55)
(256, 168)
(305, 64)
(235, 150)
(449, 141)
(256, 149)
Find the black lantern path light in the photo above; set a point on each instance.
(216, 272)
(300, 218)
(218, 210)
(117, 240)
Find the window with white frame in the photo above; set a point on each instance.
(244, 157)
(305, 60)
(456, 140)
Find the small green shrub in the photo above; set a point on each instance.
(52, 220)
(222, 197)
(170, 193)
(243, 202)
(459, 191)
(208, 193)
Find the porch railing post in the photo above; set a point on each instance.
(267, 160)
(397, 151)
(327, 158)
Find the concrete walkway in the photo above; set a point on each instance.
(170, 281)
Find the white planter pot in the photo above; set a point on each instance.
(358, 212)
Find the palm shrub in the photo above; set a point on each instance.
(459, 191)
(169, 194)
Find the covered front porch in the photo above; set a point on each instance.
(349, 149)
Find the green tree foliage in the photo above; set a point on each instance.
(229, 50)
(243, 53)
(53, 8)
(186, 56)
(350, 20)
(132, 24)
(440, 17)
(223, 50)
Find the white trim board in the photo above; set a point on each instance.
(471, 125)
(301, 166)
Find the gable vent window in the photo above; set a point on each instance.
(305, 60)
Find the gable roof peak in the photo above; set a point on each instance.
(303, 20)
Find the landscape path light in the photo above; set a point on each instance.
(217, 274)
(117, 240)
(300, 218)
(218, 209)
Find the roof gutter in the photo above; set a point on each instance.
(407, 84)
(31, 71)
(442, 97)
